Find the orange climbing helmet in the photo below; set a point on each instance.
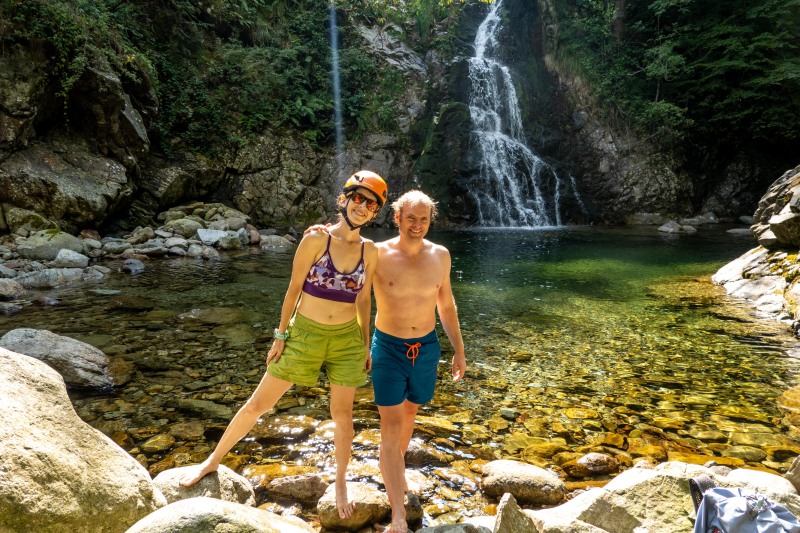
(368, 180)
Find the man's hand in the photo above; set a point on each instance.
(317, 227)
(459, 367)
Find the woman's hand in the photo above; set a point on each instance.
(368, 362)
(274, 354)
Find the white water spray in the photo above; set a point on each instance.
(337, 91)
(514, 186)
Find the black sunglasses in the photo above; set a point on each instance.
(358, 198)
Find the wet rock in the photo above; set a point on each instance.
(45, 245)
(130, 303)
(10, 289)
(527, 483)
(159, 443)
(591, 464)
(224, 484)
(210, 514)
(132, 266)
(9, 308)
(204, 408)
(419, 453)
(455, 528)
(214, 315)
(371, 506)
(80, 364)
(275, 241)
(70, 259)
(141, 235)
(210, 237)
(281, 427)
(46, 301)
(115, 246)
(49, 278)
(303, 487)
(187, 430)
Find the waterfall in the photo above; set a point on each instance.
(514, 187)
(337, 92)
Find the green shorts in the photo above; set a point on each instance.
(310, 344)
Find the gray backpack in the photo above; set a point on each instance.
(723, 510)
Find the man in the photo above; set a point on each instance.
(412, 283)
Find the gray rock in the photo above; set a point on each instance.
(197, 515)
(510, 518)
(69, 259)
(303, 487)
(45, 245)
(224, 484)
(132, 266)
(371, 507)
(80, 364)
(58, 470)
(49, 277)
(10, 289)
(210, 236)
(526, 482)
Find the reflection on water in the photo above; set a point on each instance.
(571, 334)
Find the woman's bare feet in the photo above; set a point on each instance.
(343, 503)
(195, 473)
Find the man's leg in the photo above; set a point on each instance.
(342, 415)
(264, 398)
(397, 426)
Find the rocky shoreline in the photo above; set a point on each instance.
(37, 256)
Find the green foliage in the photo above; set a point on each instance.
(714, 72)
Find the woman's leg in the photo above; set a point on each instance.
(342, 415)
(264, 398)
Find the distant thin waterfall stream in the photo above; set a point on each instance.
(514, 187)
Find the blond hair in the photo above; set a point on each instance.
(412, 198)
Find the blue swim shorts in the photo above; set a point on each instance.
(404, 369)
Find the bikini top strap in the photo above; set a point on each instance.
(362, 249)
(328, 247)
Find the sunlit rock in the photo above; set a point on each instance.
(59, 470)
(528, 483)
(210, 514)
(224, 484)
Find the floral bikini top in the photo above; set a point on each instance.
(325, 281)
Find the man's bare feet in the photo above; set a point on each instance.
(397, 526)
(343, 503)
(195, 473)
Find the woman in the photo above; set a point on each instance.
(332, 279)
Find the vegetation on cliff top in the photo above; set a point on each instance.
(223, 69)
(718, 76)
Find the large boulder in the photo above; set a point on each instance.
(209, 515)
(73, 186)
(45, 245)
(657, 499)
(526, 482)
(777, 219)
(59, 473)
(80, 364)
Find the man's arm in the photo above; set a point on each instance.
(448, 314)
(364, 299)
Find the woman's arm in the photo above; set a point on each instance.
(308, 251)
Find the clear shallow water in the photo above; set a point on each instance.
(571, 334)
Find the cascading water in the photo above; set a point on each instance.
(337, 93)
(514, 187)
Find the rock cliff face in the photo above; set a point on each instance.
(94, 169)
(769, 275)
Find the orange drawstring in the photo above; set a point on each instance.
(413, 350)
